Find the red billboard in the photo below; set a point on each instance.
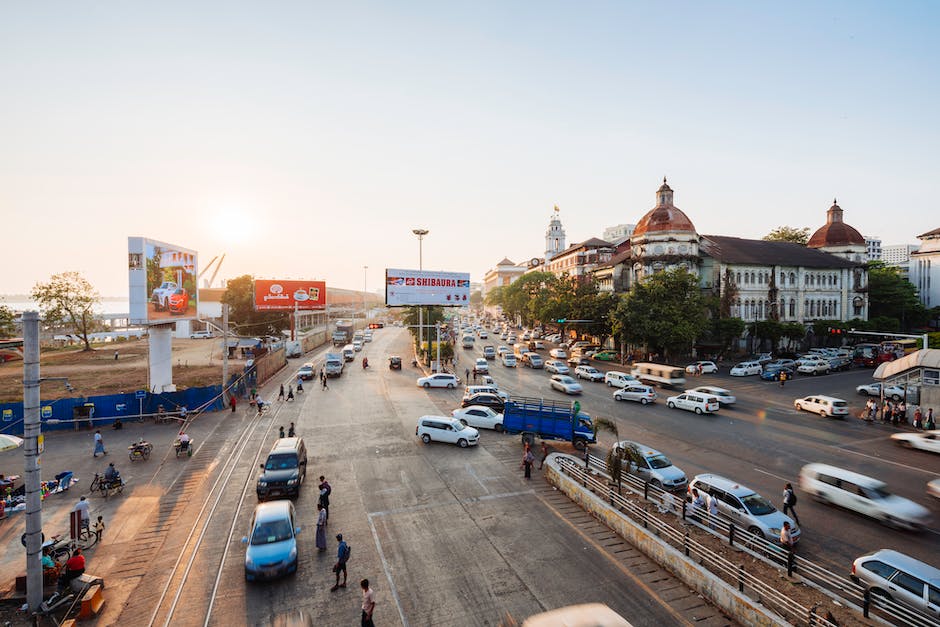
(288, 295)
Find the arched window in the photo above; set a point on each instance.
(753, 279)
(737, 279)
(783, 279)
(793, 308)
(760, 310)
(783, 308)
(793, 278)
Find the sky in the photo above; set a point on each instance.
(308, 139)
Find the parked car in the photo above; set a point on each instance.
(865, 495)
(556, 366)
(694, 401)
(201, 335)
(606, 356)
(577, 360)
(894, 392)
(489, 388)
(814, 367)
(588, 372)
(271, 541)
(745, 507)
(446, 429)
(651, 465)
(724, 396)
(923, 440)
(509, 360)
(479, 417)
(840, 363)
(773, 374)
(708, 367)
(615, 379)
(822, 405)
(439, 380)
(901, 578)
(780, 363)
(643, 394)
(746, 369)
(564, 383)
(486, 399)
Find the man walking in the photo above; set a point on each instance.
(234, 402)
(342, 556)
(323, 380)
(99, 445)
(280, 395)
(544, 454)
(789, 502)
(527, 459)
(368, 603)
(325, 491)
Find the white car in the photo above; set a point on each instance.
(933, 488)
(558, 353)
(894, 392)
(564, 383)
(439, 380)
(479, 417)
(925, 441)
(445, 429)
(509, 360)
(484, 335)
(538, 346)
(814, 366)
(487, 388)
(708, 367)
(480, 366)
(589, 372)
(643, 394)
(694, 401)
(822, 405)
(746, 369)
(724, 396)
(201, 335)
(615, 379)
(556, 366)
(357, 345)
(502, 350)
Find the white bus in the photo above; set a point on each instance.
(659, 374)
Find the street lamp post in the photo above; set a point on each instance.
(420, 233)
(365, 274)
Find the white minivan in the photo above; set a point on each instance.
(615, 379)
(349, 352)
(862, 494)
(694, 401)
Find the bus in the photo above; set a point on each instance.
(866, 355)
(658, 374)
(895, 349)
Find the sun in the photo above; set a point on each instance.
(232, 224)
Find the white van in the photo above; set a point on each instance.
(862, 494)
(619, 379)
(822, 405)
(349, 352)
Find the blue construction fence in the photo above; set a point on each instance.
(96, 411)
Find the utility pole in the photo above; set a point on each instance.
(31, 469)
(365, 276)
(421, 233)
(224, 348)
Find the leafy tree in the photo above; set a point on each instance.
(476, 299)
(7, 326)
(789, 234)
(728, 296)
(793, 332)
(494, 298)
(726, 330)
(530, 297)
(68, 299)
(240, 298)
(891, 296)
(768, 330)
(667, 311)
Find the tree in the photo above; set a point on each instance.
(789, 234)
(68, 299)
(770, 330)
(726, 330)
(7, 326)
(728, 295)
(892, 297)
(666, 311)
(240, 297)
(476, 299)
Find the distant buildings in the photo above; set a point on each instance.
(925, 268)
(873, 244)
(618, 234)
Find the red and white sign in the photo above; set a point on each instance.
(289, 295)
(406, 288)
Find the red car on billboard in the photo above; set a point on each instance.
(178, 302)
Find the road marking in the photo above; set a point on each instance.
(886, 461)
(772, 474)
(388, 574)
(473, 474)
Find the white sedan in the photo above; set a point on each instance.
(481, 367)
(480, 417)
(894, 392)
(566, 384)
(439, 380)
(708, 367)
(746, 369)
(589, 372)
(556, 366)
(925, 441)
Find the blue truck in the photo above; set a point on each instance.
(549, 420)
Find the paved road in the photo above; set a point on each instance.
(763, 442)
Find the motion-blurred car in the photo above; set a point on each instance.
(643, 394)
(485, 399)
(588, 372)
(894, 392)
(746, 369)
(694, 401)
(708, 367)
(272, 543)
(923, 440)
(556, 366)
(724, 396)
(439, 380)
(564, 383)
(607, 356)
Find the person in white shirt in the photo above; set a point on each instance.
(82, 506)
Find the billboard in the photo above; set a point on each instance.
(407, 288)
(280, 295)
(162, 281)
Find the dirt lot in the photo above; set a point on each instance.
(195, 363)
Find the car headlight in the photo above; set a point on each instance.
(262, 483)
(293, 553)
(292, 481)
(249, 563)
(775, 531)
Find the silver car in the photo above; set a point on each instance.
(901, 578)
(746, 508)
(651, 465)
(642, 394)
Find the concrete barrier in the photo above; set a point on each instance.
(733, 603)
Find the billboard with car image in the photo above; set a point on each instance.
(162, 281)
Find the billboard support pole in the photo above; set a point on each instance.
(31, 430)
(293, 323)
(224, 348)
(438, 327)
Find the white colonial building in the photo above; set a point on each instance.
(925, 268)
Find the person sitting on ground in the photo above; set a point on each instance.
(117, 425)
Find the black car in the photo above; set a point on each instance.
(485, 399)
(838, 364)
(394, 363)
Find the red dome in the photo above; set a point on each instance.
(835, 232)
(664, 217)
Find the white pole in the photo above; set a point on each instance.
(31, 468)
(438, 327)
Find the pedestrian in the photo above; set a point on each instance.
(290, 431)
(466, 373)
(300, 383)
(527, 459)
(342, 556)
(183, 412)
(886, 411)
(280, 395)
(544, 454)
(712, 511)
(234, 402)
(82, 506)
(902, 412)
(323, 380)
(918, 418)
(786, 539)
(280, 433)
(782, 376)
(325, 491)
(789, 502)
(99, 445)
(698, 370)
(321, 527)
(290, 394)
(698, 505)
(929, 424)
(115, 355)
(98, 528)
(368, 603)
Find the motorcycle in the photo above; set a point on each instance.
(183, 447)
(140, 450)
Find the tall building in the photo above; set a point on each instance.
(898, 254)
(617, 234)
(873, 244)
(503, 274)
(925, 268)
(554, 237)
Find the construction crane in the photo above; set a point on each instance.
(214, 273)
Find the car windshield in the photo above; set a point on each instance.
(281, 462)
(271, 531)
(758, 505)
(659, 461)
(458, 426)
(876, 493)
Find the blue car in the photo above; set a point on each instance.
(272, 545)
(773, 374)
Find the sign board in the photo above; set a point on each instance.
(7, 415)
(41, 442)
(46, 411)
(140, 394)
(409, 288)
(162, 281)
(273, 295)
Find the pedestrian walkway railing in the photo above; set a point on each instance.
(593, 476)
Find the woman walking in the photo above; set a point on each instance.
(321, 527)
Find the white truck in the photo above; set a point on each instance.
(293, 348)
(161, 295)
(334, 365)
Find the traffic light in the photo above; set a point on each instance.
(562, 320)
(836, 331)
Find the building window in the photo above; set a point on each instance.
(737, 279)
(760, 310)
(793, 308)
(792, 278)
(783, 308)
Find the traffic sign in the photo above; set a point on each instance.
(140, 394)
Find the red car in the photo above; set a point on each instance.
(178, 302)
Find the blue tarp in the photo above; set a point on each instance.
(109, 407)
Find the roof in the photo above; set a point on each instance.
(506, 262)
(932, 233)
(738, 250)
(835, 232)
(594, 242)
(663, 218)
(617, 259)
(924, 358)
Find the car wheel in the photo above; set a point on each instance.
(656, 483)
(617, 397)
(698, 410)
(426, 385)
(823, 413)
(671, 405)
(610, 384)
(426, 438)
(450, 386)
(462, 443)
(815, 373)
(643, 401)
(498, 427)
(905, 443)
(895, 397)
(756, 531)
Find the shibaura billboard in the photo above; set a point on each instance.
(162, 281)
(289, 295)
(408, 288)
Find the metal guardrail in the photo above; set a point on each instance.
(833, 585)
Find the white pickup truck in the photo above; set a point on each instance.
(161, 295)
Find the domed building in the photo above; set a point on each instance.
(838, 238)
(664, 238)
